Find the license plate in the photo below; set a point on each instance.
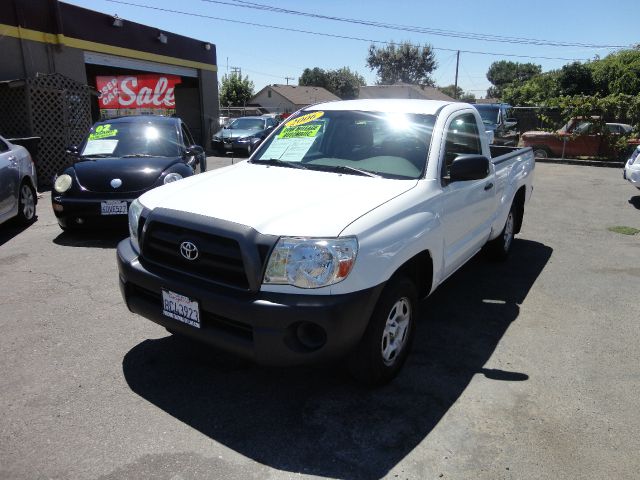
(113, 207)
(180, 308)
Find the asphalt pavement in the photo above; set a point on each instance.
(523, 370)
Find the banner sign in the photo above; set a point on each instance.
(137, 91)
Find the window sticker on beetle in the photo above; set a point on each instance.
(103, 131)
(100, 147)
(308, 118)
(293, 142)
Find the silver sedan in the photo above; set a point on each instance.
(17, 183)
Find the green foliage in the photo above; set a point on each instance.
(402, 62)
(617, 73)
(504, 73)
(533, 92)
(576, 79)
(341, 82)
(235, 91)
(458, 93)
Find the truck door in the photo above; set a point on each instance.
(9, 177)
(468, 206)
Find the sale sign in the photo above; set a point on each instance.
(137, 91)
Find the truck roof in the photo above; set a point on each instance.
(426, 107)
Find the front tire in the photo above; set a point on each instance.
(26, 204)
(386, 343)
(541, 152)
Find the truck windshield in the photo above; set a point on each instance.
(489, 113)
(390, 145)
(132, 139)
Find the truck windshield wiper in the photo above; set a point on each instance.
(279, 163)
(353, 171)
(136, 155)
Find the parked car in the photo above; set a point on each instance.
(118, 161)
(498, 120)
(243, 135)
(320, 245)
(575, 139)
(631, 170)
(18, 183)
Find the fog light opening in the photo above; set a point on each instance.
(79, 221)
(311, 336)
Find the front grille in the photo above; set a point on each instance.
(219, 258)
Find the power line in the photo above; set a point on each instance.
(408, 28)
(344, 37)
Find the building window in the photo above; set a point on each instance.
(269, 93)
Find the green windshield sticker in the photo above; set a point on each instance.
(300, 131)
(103, 131)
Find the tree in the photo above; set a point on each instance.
(341, 82)
(402, 62)
(235, 91)
(617, 73)
(315, 77)
(576, 79)
(504, 73)
(458, 93)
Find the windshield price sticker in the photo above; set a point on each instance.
(309, 117)
(103, 131)
(300, 131)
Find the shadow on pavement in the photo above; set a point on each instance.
(92, 238)
(316, 421)
(635, 201)
(11, 228)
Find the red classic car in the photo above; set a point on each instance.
(576, 139)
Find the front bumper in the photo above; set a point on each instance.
(235, 146)
(268, 328)
(85, 212)
(632, 174)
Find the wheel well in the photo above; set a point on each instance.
(419, 269)
(518, 203)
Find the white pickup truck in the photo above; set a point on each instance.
(320, 245)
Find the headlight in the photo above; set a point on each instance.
(172, 177)
(63, 183)
(311, 262)
(135, 210)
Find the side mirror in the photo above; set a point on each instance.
(469, 167)
(192, 154)
(73, 150)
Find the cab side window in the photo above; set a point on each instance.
(3, 147)
(186, 136)
(462, 138)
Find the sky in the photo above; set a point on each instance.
(484, 32)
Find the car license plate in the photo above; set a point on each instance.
(113, 207)
(180, 308)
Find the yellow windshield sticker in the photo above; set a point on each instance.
(309, 117)
(300, 131)
(103, 131)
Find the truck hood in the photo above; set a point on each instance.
(278, 200)
(539, 134)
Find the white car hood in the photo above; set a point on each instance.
(278, 200)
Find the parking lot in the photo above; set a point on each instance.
(522, 370)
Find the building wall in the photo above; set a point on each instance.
(25, 58)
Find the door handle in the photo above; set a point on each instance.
(488, 186)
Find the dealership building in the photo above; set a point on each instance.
(64, 67)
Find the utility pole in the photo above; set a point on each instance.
(455, 89)
(289, 78)
(236, 71)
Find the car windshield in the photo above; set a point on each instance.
(247, 124)
(489, 113)
(391, 145)
(131, 139)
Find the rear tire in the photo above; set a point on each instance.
(541, 152)
(26, 204)
(386, 343)
(500, 247)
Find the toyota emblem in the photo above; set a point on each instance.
(189, 251)
(116, 182)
